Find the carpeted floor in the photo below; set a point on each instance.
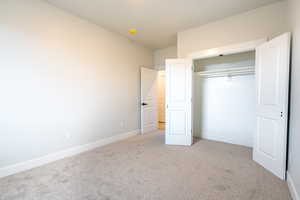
(143, 167)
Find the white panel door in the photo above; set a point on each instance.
(272, 76)
(178, 102)
(149, 106)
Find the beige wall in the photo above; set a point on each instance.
(294, 137)
(161, 96)
(63, 81)
(160, 55)
(263, 22)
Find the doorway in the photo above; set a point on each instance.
(152, 100)
(161, 100)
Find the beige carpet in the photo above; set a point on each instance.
(144, 168)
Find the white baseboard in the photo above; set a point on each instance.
(210, 136)
(149, 129)
(23, 166)
(292, 188)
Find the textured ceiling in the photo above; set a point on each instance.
(157, 21)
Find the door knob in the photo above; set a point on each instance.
(144, 104)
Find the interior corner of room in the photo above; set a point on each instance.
(150, 101)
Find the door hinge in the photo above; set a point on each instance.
(281, 114)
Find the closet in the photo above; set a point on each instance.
(224, 98)
(236, 94)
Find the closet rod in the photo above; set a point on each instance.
(227, 72)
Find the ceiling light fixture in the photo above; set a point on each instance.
(132, 31)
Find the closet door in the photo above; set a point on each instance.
(272, 76)
(179, 102)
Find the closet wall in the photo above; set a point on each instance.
(224, 107)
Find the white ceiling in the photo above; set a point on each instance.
(157, 21)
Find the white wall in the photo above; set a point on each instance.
(160, 55)
(294, 135)
(262, 22)
(61, 76)
(225, 109)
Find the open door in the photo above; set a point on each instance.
(179, 102)
(272, 78)
(149, 106)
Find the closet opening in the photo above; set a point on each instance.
(224, 98)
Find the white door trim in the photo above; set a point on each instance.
(228, 50)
